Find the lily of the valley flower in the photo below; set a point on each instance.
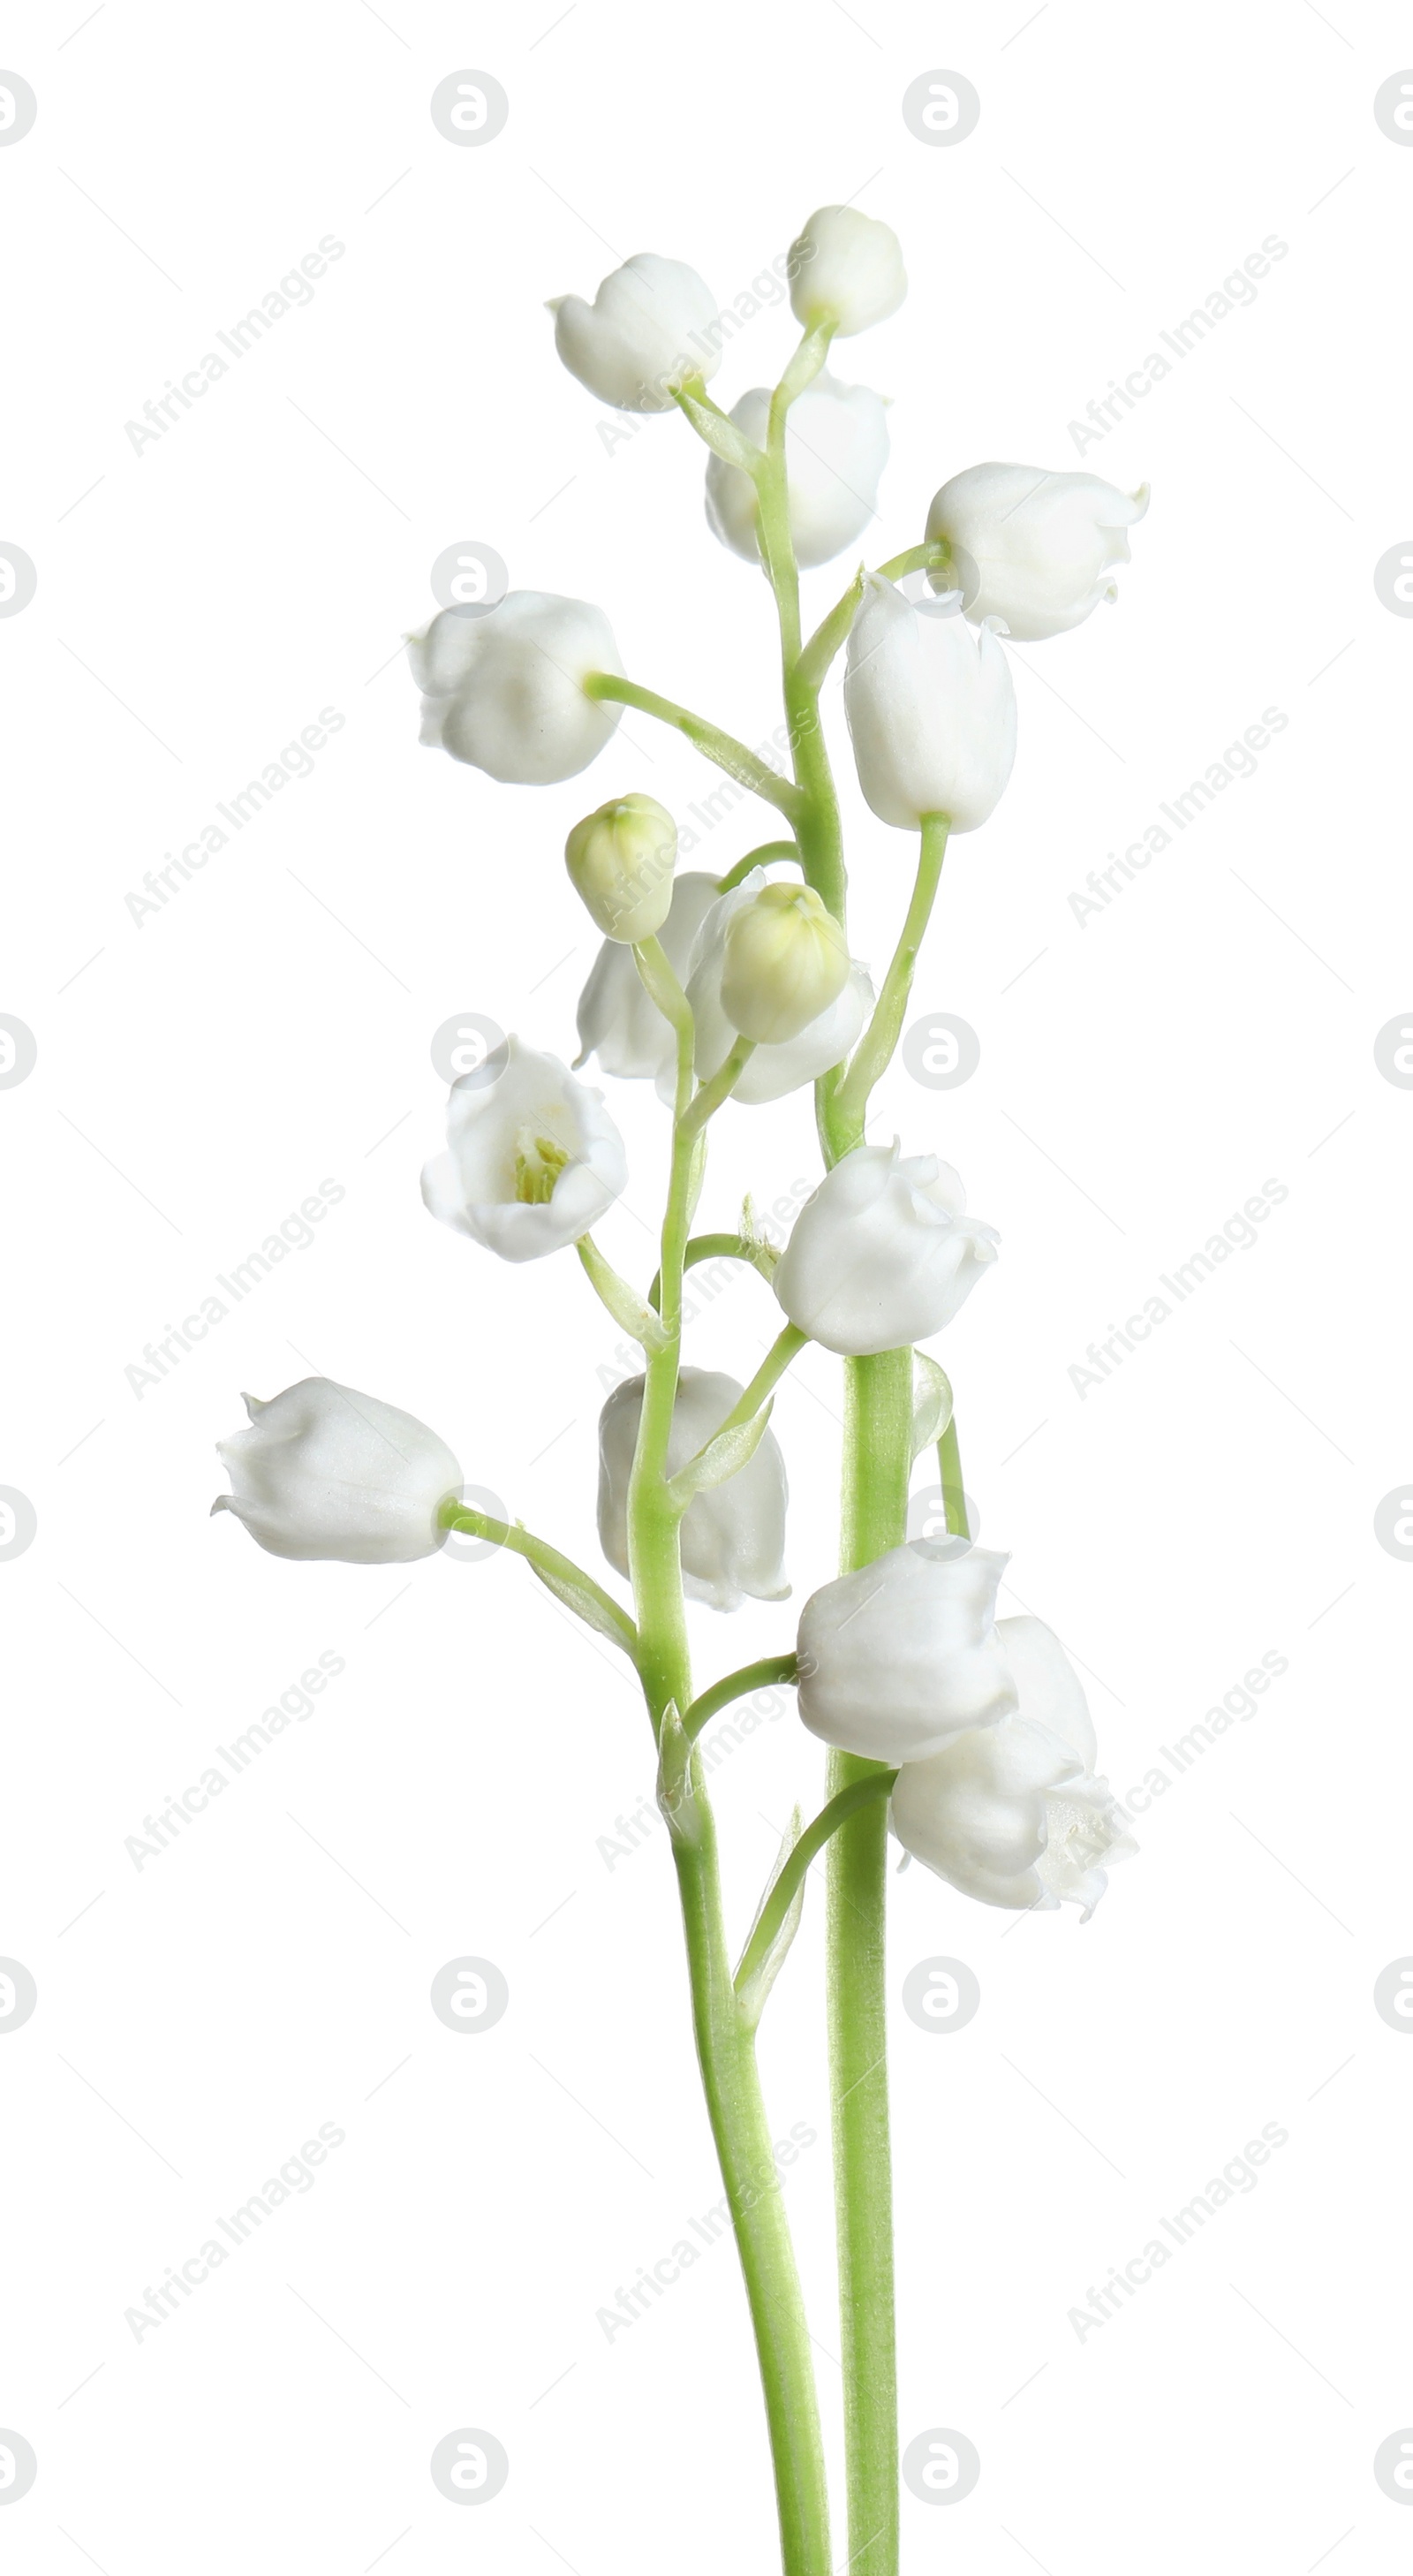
(532, 1160)
(323, 1471)
(1012, 1814)
(653, 324)
(784, 961)
(931, 709)
(846, 268)
(733, 1535)
(773, 1069)
(900, 1657)
(505, 691)
(836, 446)
(617, 1021)
(883, 1253)
(1032, 548)
(620, 862)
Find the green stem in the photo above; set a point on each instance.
(929, 557)
(711, 1095)
(723, 748)
(547, 1559)
(954, 1501)
(725, 2046)
(751, 1677)
(718, 1247)
(768, 855)
(877, 1460)
(776, 1361)
(873, 1054)
(850, 1802)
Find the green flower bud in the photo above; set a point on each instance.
(785, 962)
(621, 861)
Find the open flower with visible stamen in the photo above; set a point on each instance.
(533, 1158)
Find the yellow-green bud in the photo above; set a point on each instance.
(621, 861)
(785, 961)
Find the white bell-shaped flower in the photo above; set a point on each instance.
(846, 268)
(901, 1656)
(1012, 1814)
(931, 708)
(733, 1535)
(652, 325)
(617, 1021)
(773, 1070)
(533, 1158)
(323, 1471)
(836, 446)
(883, 1253)
(505, 691)
(1032, 549)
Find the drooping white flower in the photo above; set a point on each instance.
(620, 863)
(1012, 1814)
(836, 446)
(1031, 548)
(931, 709)
(505, 691)
(653, 324)
(617, 1021)
(532, 1161)
(900, 1657)
(883, 1254)
(323, 1471)
(846, 268)
(784, 961)
(733, 1535)
(773, 1070)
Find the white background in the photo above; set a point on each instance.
(1212, 1501)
